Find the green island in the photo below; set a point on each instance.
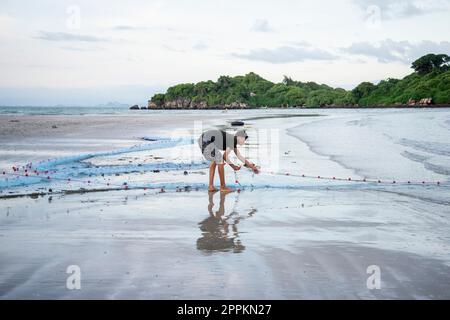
(428, 85)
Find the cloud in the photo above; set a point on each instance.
(286, 54)
(200, 46)
(392, 9)
(50, 66)
(397, 51)
(63, 36)
(170, 48)
(128, 27)
(385, 51)
(81, 49)
(261, 25)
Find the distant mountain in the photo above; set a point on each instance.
(112, 104)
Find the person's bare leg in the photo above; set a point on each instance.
(223, 187)
(212, 171)
(211, 203)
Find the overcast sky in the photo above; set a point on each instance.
(81, 53)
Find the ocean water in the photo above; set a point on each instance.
(77, 110)
(55, 110)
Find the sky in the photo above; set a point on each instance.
(92, 52)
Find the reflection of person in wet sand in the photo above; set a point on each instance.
(216, 146)
(216, 228)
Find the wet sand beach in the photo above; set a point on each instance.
(280, 237)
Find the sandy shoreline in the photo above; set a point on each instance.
(13, 127)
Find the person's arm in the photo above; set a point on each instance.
(227, 159)
(245, 161)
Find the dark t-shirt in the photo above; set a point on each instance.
(221, 139)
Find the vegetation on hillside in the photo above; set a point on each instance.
(430, 79)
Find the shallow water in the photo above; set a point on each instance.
(281, 236)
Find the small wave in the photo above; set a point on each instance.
(305, 184)
(66, 173)
(438, 148)
(437, 168)
(158, 143)
(414, 156)
(363, 122)
(447, 122)
(71, 167)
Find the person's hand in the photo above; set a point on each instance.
(253, 167)
(235, 167)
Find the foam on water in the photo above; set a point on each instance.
(403, 145)
(70, 167)
(157, 143)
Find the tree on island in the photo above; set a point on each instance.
(431, 62)
(431, 79)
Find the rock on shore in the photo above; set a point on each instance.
(183, 103)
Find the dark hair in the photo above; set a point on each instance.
(241, 133)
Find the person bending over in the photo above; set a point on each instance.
(216, 146)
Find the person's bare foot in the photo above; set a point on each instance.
(212, 189)
(226, 189)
